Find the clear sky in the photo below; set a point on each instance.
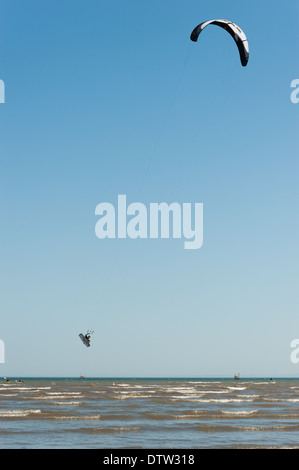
(111, 97)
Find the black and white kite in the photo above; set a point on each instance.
(234, 30)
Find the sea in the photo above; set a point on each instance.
(145, 413)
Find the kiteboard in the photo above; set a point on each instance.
(84, 340)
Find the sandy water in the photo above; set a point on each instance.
(149, 413)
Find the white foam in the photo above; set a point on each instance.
(240, 412)
(64, 393)
(66, 403)
(52, 397)
(17, 413)
(131, 395)
(237, 388)
(31, 389)
(203, 382)
(10, 395)
(185, 397)
(248, 396)
(180, 389)
(184, 417)
(83, 418)
(223, 400)
(133, 392)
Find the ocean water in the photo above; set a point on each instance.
(149, 413)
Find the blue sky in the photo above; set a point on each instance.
(106, 98)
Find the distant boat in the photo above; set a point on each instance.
(82, 377)
(237, 376)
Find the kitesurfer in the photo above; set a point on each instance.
(87, 336)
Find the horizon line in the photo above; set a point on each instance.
(150, 377)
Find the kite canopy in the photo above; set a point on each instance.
(234, 30)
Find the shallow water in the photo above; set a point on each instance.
(149, 413)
